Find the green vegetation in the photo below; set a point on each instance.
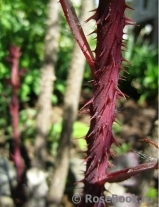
(124, 148)
(79, 131)
(152, 193)
(143, 79)
(24, 25)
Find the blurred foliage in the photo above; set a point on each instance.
(54, 137)
(117, 128)
(79, 131)
(21, 25)
(124, 148)
(152, 193)
(142, 81)
(24, 25)
(27, 123)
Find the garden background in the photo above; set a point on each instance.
(54, 86)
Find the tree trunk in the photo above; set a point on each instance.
(36, 176)
(71, 100)
(46, 85)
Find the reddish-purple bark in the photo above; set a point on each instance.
(77, 31)
(110, 20)
(13, 58)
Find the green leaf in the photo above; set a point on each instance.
(80, 130)
(152, 193)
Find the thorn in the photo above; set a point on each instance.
(128, 7)
(117, 122)
(91, 165)
(99, 21)
(94, 32)
(129, 21)
(92, 82)
(92, 17)
(120, 92)
(112, 154)
(87, 136)
(88, 103)
(122, 79)
(124, 60)
(101, 53)
(115, 142)
(93, 50)
(84, 111)
(123, 44)
(95, 115)
(94, 38)
(108, 15)
(85, 160)
(80, 181)
(94, 146)
(107, 191)
(122, 68)
(83, 151)
(78, 138)
(110, 164)
(93, 10)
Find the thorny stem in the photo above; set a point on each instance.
(14, 108)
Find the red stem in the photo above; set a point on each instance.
(14, 109)
(78, 33)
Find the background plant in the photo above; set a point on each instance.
(142, 84)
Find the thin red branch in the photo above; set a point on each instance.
(13, 58)
(150, 142)
(77, 31)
